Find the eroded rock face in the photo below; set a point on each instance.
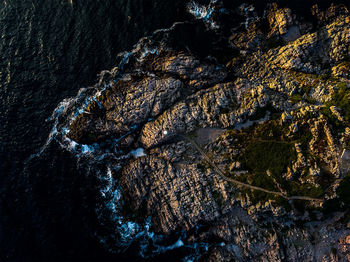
(138, 97)
(167, 191)
(280, 122)
(309, 52)
(202, 109)
(280, 19)
(130, 102)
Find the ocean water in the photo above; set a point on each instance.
(49, 50)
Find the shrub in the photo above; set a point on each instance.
(343, 191)
(261, 156)
(341, 99)
(296, 98)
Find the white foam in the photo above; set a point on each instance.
(202, 12)
(72, 144)
(178, 244)
(109, 185)
(128, 231)
(199, 11)
(125, 59)
(87, 149)
(146, 51)
(138, 152)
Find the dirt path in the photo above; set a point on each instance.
(207, 135)
(241, 184)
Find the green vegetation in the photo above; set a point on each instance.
(312, 79)
(261, 156)
(324, 77)
(307, 81)
(261, 112)
(342, 201)
(337, 126)
(343, 191)
(218, 198)
(340, 99)
(310, 100)
(341, 96)
(267, 150)
(296, 98)
(267, 160)
(261, 180)
(271, 130)
(306, 89)
(342, 86)
(305, 190)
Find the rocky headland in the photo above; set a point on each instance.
(233, 128)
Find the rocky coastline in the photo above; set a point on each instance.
(260, 97)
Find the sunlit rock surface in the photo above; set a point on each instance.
(271, 111)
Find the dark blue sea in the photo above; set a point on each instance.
(49, 50)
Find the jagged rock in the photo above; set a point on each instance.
(127, 104)
(322, 144)
(341, 70)
(207, 108)
(326, 16)
(336, 112)
(293, 127)
(267, 97)
(329, 45)
(286, 117)
(188, 68)
(345, 161)
(280, 19)
(166, 193)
